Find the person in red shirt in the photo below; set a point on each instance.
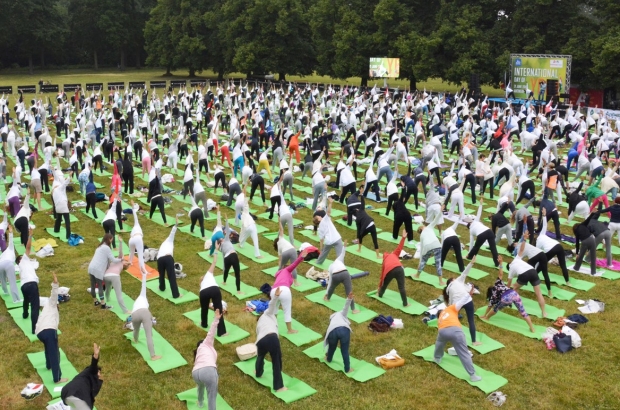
(393, 269)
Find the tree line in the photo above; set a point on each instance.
(450, 39)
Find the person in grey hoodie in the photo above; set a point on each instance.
(339, 330)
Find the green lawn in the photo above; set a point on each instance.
(537, 378)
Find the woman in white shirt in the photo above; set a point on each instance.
(248, 227)
(210, 293)
(61, 203)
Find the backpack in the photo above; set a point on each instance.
(75, 240)
(380, 324)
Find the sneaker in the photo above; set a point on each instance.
(97, 303)
(106, 306)
(181, 275)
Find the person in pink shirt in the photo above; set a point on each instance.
(284, 281)
(205, 366)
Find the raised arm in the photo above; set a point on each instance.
(211, 333)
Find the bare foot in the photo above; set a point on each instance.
(477, 343)
(544, 315)
(550, 295)
(223, 283)
(567, 283)
(532, 329)
(240, 293)
(408, 304)
(417, 275)
(441, 282)
(292, 331)
(63, 380)
(325, 298)
(153, 358)
(350, 370)
(259, 257)
(224, 335)
(295, 283)
(282, 389)
(356, 311)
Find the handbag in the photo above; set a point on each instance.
(391, 363)
(246, 351)
(563, 342)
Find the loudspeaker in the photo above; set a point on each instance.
(552, 88)
(474, 81)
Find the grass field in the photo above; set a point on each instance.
(537, 378)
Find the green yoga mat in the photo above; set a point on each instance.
(305, 284)
(220, 261)
(273, 235)
(187, 229)
(187, 200)
(366, 253)
(310, 234)
(170, 358)
(234, 332)
(558, 293)
(304, 334)
(104, 173)
(533, 309)
(328, 262)
(116, 309)
(484, 260)
(190, 397)
(230, 287)
(303, 188)
(336, 303)
(386, 236)
(166, 294)
(575, 283)
(353, 226)
(297, 389)
(24, 324)
(259, 228)
(488, 345)
(265, 216)
(100, 214)
(72, 218)
(512, 323)
(66, 368)
(58, 235)
(474, 273)
(452, 364)
(159, 220)
(8, 300)
(144, 201)
(45, 206)
(610, 274)
(427, 278)
(248, 251)
(362, 371)
(393, 299)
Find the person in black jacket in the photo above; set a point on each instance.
(154, 196)
(584, 242)
(410, 187)
(402, 216)
(365, 225)
(127, 170)
(552, 214)
(80, 392)
(354, 204)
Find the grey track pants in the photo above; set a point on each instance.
(455, 336)
(206, 377)
(202, 196)
(7, 274)
(504, 231)
(287, 220)
(343, 277)
(143, 317)
(77, 404)
(288, 257)
(319, 190)
(114, 281)
(337, 246)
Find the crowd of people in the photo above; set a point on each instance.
(440, 150)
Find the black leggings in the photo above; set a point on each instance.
(274, 201)
(220, 177)
(470, 180)
(198, 216)
(374, 185)
(406, 194)
(98, 160)
(159, 203)
(21, 225)
(434, 171)
(556, 222)
(212, 293)
(188, 187)
(452, 242)
(397, 273)
(165, 266)
(91, 201)
(527, 186)
(270, 344)
(258, 182)
(399, 220)
(345, 190)
(45, 181)
(489, 182)
(128, 178)
(469, 311)
(203, 163)
(391, 199)
(558, 252)
(372, 230)
(109, 226)
(232, 260)
(530, 228)
(59, 218)
(541, 260)
(486, 236)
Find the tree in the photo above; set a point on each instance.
(159, 42)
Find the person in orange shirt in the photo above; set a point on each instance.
(293, 146)
(450, 330)
(393, 269)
